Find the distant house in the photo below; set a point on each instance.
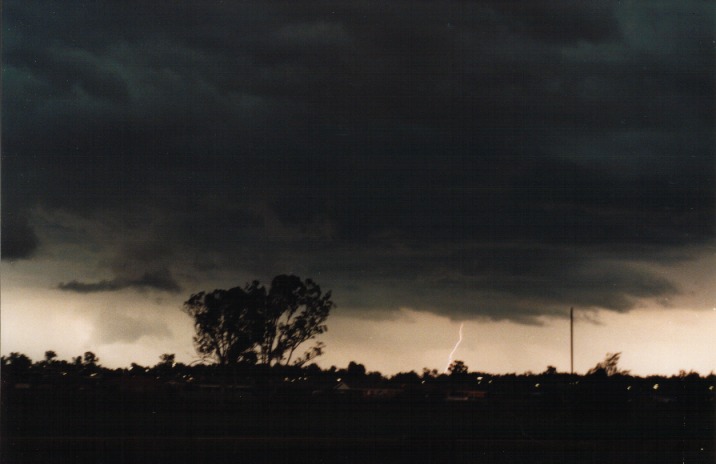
(663, 399)
(466, 395)
(342, 387)
(367, 392)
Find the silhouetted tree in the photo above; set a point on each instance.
(295, 312)
(166, 360)
(251, 324)
(608, 367)
(90, 359)
(429, 373)
(312, 370)
(16, 362)
(355, 370)
(227, 323)
(457, 368)
(50, 356)
(406, 378)
(136, 369)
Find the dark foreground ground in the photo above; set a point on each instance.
(347, 450)
(101, 428)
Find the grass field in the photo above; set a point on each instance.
(296, 450)
(99, 429)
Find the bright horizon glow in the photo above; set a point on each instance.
(651, 341)
(127, 326)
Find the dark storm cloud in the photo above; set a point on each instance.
(500, 281)
(561, 21)
(161, 280)
(564, 141)
(19, 240)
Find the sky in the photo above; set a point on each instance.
(486, 163)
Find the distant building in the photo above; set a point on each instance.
(466, 395)
(367, 392)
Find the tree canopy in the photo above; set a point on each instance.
(253, 324)
(608, 367)
(226, 323)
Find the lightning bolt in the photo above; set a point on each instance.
(454, 349)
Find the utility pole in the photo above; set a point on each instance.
(571, 342)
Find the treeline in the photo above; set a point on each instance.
(85, 372)
(274, 413)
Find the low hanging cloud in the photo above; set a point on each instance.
(517, 282)
(160, 280)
